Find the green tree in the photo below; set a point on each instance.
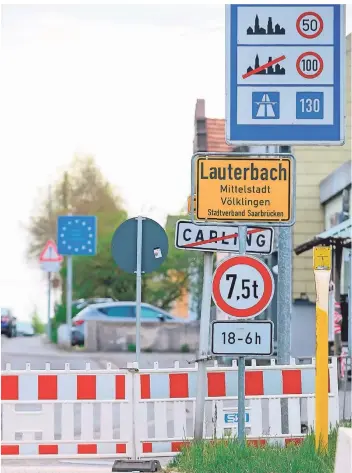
(99, 276)
(37, 323)
(175, 275)
(81, 190)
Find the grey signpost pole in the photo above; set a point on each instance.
(139, 286)
(284, 308)
(242, 235)
(49, 307)
(203, 346)
(349, 332)
(69, 297)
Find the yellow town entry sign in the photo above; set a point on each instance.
(243, 189)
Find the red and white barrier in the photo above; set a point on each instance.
(70, 414)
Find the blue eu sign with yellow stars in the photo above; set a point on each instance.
(77, 235)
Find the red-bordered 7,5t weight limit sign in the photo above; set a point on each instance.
(243, 286)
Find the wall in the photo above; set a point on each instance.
(343, 460)
(313, 165)
(155, 336)
(331, 207)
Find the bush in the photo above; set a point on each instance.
(37, 324)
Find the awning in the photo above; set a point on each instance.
(338, 235)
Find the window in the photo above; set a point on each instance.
(153, 315)
(123, 311)
(150, 314)
(241, 149)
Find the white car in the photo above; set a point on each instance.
(25, 329)
(119, 311)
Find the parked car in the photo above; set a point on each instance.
(8, 323)
(24, 329)
(82, 303)
(121, 311)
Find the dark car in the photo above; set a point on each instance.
(8, 323)
(120, 311)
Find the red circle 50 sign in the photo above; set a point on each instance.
(309, 25)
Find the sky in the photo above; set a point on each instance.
(116, 81)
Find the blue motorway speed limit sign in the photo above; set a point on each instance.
(285, 71)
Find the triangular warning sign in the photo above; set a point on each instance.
(50, 254)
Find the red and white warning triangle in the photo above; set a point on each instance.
(50, 254)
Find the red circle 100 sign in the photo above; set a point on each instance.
(309, 65)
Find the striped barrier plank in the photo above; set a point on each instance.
(225, 384)
(63, 387)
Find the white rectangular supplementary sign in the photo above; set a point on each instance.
(285, 74)
(190, 236)
(242, 338)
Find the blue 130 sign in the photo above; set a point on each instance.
(285, 74)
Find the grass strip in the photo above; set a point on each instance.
(230, 456)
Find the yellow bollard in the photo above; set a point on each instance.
(322, 272)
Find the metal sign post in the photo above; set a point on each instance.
(322, 272)
(139, 245)
(69, 280)
(50, 262)
(285, 69)
(241, 360)
(349, 332)
(76, 235)
(49, 308)
(243, 287)
(203, 346)
(139, 286)
(284, 309)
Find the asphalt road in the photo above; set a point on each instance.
(34, 350)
